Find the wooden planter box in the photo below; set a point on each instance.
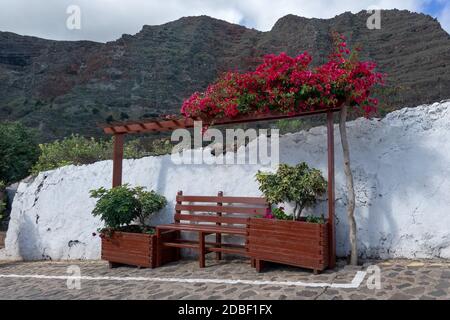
(294, 243)
(134, 249)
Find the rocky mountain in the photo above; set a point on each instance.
(63, 87)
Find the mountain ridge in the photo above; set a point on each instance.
(64, 87)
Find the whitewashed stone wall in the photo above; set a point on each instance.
(401, 165)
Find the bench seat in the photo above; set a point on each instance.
(204, 228)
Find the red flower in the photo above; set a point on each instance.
(289, 84)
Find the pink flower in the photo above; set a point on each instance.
(289, 85)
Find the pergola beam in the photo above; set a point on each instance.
(186, 123)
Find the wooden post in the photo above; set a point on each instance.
(178, 232)
(331, 191)
(202, 252)
(118, 159)
(159, 246)
(218, 235)
(259, 265)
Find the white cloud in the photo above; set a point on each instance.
(104, 20)
(444, 18)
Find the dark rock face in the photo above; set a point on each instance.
(63, 87)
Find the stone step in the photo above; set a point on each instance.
(2, 239)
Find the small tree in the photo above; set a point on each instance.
(299, 184)
(151, 202)
(119, 207)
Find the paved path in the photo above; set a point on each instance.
(400, 279)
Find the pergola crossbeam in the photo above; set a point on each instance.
(186, 123)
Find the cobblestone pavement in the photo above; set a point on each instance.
(400, 279)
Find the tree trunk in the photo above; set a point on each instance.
(350, 186)
(294, 215)
(298, 211)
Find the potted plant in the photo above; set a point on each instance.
(126, 238)
(290, 239)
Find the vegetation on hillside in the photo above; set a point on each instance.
(2, 200)
(18, 151)
(78, 150)
(21, 155)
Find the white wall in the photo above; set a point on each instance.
(401, 165)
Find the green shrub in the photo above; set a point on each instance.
(299, 184)
(77, 150)
(160, 147)
(149, 147)
(280, 214)
(288, 126)
(18, 151)
(314, 219)
(2, 200)
(2, 210)
(119, 207)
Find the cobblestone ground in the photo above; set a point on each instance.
(400, 279)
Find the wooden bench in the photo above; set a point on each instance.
(211, 215)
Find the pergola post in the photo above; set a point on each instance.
(118, 159)
(331, 191)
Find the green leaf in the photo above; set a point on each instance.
(123, 205)
(299, 184)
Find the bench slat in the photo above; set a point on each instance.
(215, 199)
(204, 228)
(211, 243)
(240, 251)
(181, 245)
(215, 219)
(225, 249)
(223, 209)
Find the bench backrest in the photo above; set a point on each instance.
(218, 209)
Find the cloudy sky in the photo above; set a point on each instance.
(105, 20)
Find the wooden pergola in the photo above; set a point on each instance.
(119, 130)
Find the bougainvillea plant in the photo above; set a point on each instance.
(284, 84)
